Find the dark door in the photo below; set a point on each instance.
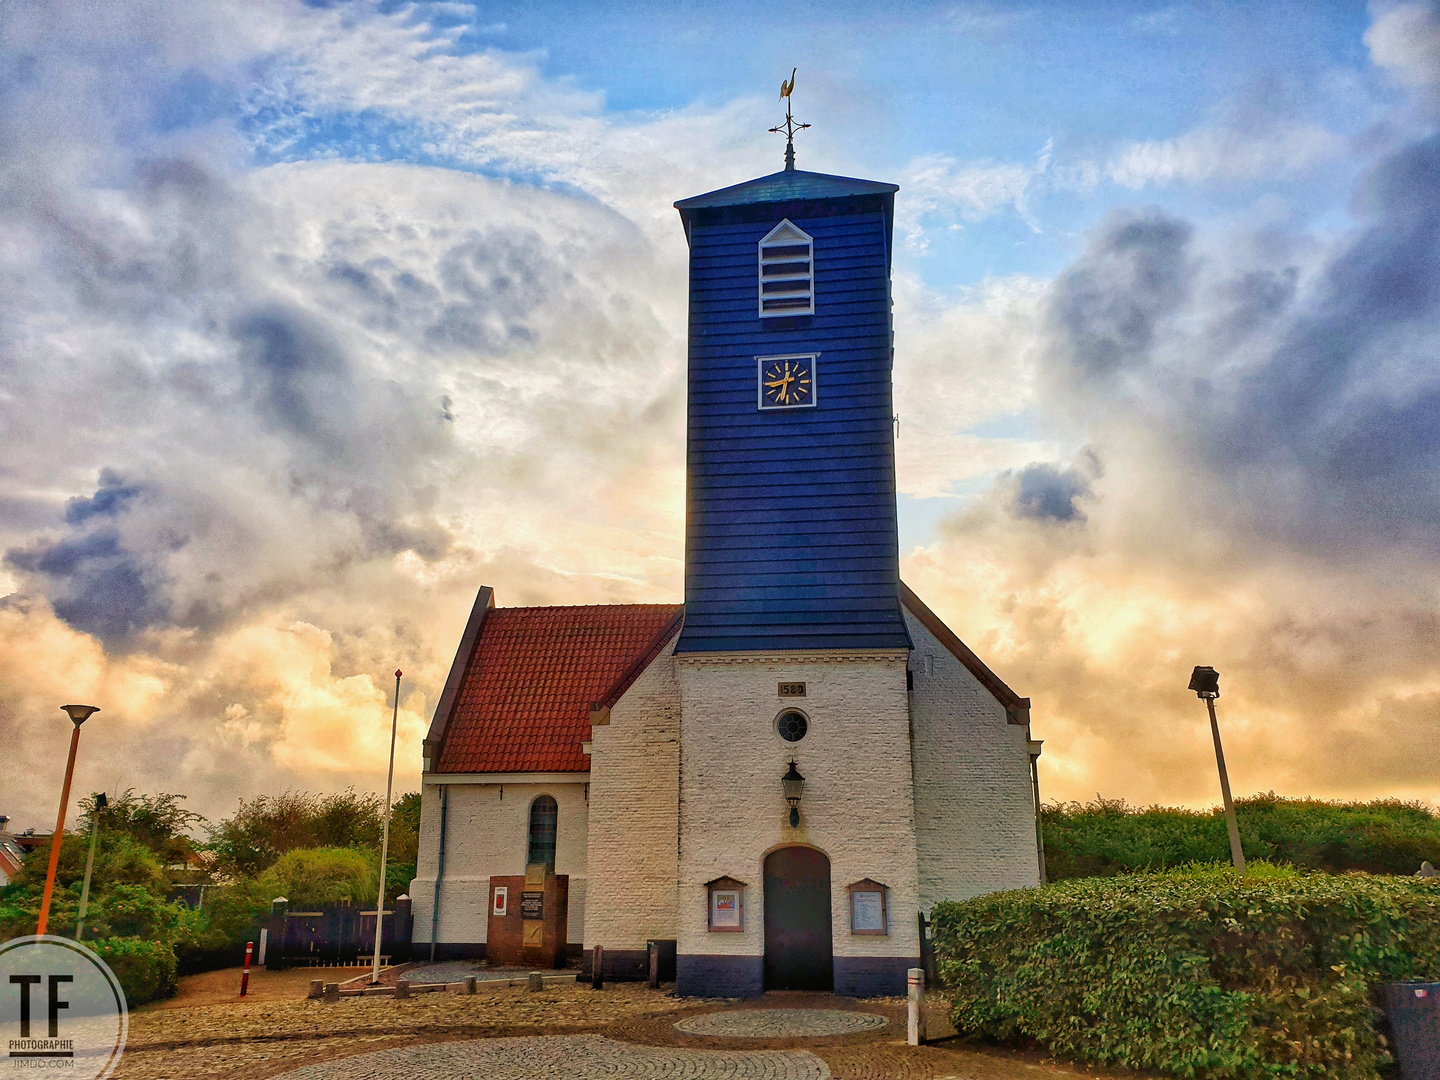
(798, 953)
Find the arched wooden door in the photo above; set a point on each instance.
(798, 947)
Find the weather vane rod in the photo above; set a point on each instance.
(789, 127)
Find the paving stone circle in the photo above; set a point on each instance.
(780, 1023)
(565, 1057)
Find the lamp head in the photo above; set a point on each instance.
(101, 802)
(793, 784)
(80, 713)
(1205, 681)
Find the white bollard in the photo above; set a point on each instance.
(915, 1021)
(264, 940)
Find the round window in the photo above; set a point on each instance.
(792, 726)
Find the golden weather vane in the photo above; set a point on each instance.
(787, 87)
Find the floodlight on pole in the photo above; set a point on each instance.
(385, 836)
(1205, 681)
(78, 715)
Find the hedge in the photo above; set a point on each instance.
(1108, 837)
(1193, 973)
(146, 969)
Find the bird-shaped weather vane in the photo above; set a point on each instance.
(789, 127)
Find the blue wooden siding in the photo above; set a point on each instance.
(791, 538)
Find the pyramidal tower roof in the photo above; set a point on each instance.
(788, 185)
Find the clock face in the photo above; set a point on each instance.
(787, 382)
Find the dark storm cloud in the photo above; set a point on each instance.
(1045, 492)
(1106, 307)
(97, 586)
(109, 499)
(1316, 403)
(296, 373)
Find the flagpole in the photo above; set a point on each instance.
(385, 841)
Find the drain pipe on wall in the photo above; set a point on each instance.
(439, 869)
(1033, 745)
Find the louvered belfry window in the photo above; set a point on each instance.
(787, 272)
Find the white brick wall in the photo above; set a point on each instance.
(858, 804)
(974, 808)
(487, 835)
(634, 818)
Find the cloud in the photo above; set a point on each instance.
(1404, 39)
(277, 401)
(1225, 154)
(1106, 307)
(1267, 410)
(1043, 491)
(324, 401)
(940, 185)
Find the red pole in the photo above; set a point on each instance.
(245, 975)
(58, 838)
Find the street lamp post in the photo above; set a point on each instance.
(100, 803)
(1205, 681)
(78, 715)
(385, 836)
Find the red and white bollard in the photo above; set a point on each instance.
(245, 975)
(915, 1025)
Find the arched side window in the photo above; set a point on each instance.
(544, 813)
(787, 272)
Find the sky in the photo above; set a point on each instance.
(317, 317)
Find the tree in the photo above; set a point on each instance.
(310, 877)
(268, 826)
(405, 829)
(157, 821)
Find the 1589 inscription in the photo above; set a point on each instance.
(792, 689)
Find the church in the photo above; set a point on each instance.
(775, 780)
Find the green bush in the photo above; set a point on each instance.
(1193, 972)
(119, 859)
(310, 877)
(146, 969)
(1108, 837)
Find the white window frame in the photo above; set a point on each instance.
(761, 361)
(786, 234)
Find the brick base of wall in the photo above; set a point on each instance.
(872, 976)
(719, 976)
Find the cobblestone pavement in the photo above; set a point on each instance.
(572, 1057)
(449, 971)
(249, 1039)
(781, 1023)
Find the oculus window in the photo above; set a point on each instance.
(792, 725)
(787, 272)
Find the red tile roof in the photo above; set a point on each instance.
(524, 704)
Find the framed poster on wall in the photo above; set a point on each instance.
(867, 907)
(727, 905)
(500, 903)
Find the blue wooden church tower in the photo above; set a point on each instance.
(791, 539)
